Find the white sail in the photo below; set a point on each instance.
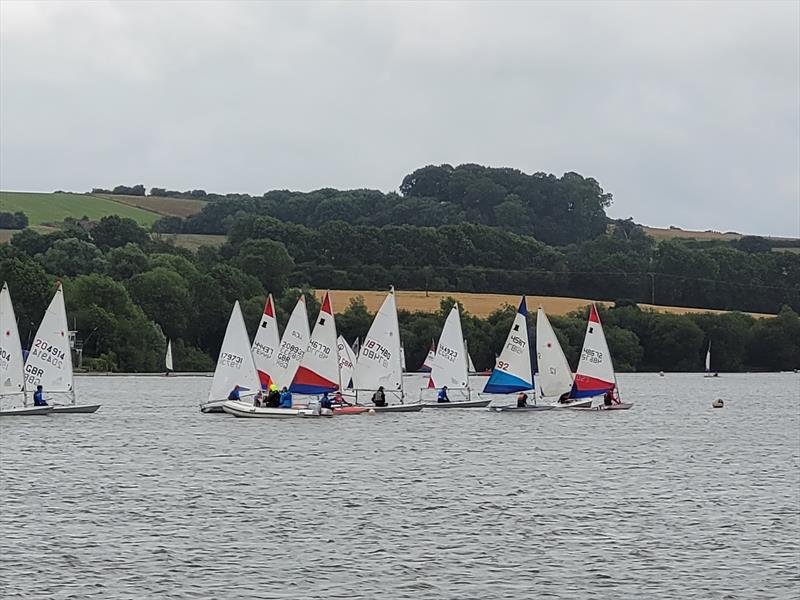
(555, 376)
(470, 364)
(293, 344)
(708, 358)
(235, 364)
(265, 346)
(430, 358)
(12, 376)
(512, 371)
(595, 374)
(319, 369)
(168, 356)
(347, 363)
(380, 362)
(49, 361)
(450, 365)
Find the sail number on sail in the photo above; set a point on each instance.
(231, 360)
(315, 347)
(593, 356)
(289, 352)
(48, 353)
(447, 353)
(377, 352)
(263, 350)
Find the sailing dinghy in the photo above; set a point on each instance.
(428, 364)
(513, 372)
(380, 362)
(265, 347)
(708, 362)
(554, 375)
(12, 375)
(595, 375)
(293, 344)
(168, 358)
(49, 362)
(450, 365)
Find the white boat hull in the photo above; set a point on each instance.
(461, 404)
(29, 411)
(75, 408)
(582, 403)
(245, 410)
(214, 406)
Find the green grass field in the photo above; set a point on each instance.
(52, 208)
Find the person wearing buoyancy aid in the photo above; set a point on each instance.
(286, 398)
(522, 400)
(442, 396)
(379, 397)
(274, 396)
(38, 397)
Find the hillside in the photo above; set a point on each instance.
(45, 209)
(482, 305)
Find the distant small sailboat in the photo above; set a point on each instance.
(380, 363)
(168, 358)
(235, 366)
(554, 375)
(513, 371)
(708, 362)
(266, 345)
(595, 375)
(49, 362)
(470, 364)
(450, 365)
(13, 398)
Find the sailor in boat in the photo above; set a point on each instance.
(564, 398)
(522, 400)
(379, 397)
(338, 400)
(286, 398)
(38, 397)
(274, 397)
(234, 395)
(609, 398)
(325, 401)
(442, 396)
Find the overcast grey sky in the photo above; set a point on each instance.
(689, 113)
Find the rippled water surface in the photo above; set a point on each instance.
(148, 498)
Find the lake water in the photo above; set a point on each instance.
(150, 499)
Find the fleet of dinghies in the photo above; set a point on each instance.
(311, 367)
(48, 364)
(306, 367)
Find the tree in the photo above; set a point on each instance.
(71, 257)
(268, 261)
(114, 231)
(165, 297)
(126, 261)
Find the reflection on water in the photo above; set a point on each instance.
(149, 498)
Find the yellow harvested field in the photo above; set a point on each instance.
(482, 305)
(168, 207)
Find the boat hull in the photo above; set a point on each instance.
(350, 410)
(462, 404)
(620, 406)
(243, 410)
(584, 403)
(29, 411)
(213, 407)
(76, 408)
(398, 408)
(534, 408)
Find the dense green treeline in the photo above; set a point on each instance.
(474, 228)
(126, 293)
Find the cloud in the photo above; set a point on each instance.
(686, 112)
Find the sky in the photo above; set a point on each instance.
(687, 112)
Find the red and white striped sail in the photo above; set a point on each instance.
(595, 375)
(265, 346)
(319, 369)
(450, 365)
(293, 344)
